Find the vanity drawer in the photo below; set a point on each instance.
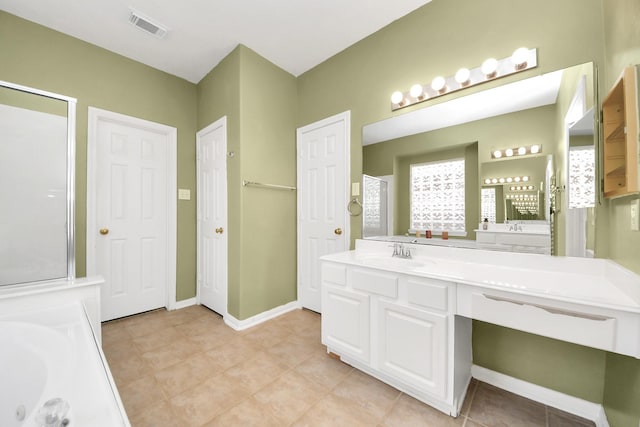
(429, 293)
(582, 328)
(334, 273)
(375, 282)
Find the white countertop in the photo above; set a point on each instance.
(593, 282)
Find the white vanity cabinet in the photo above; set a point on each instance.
(396, 327)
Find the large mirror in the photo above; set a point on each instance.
(37, 154)
(526, 155)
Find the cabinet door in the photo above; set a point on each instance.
(346, 322)
(412, 346)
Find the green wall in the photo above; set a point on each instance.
(35, 56)
(622, 48)
(259, 100)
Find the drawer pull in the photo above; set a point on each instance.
(551, 310)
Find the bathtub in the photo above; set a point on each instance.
(53, 353)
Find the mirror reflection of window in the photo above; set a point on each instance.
(437, 197)
(375, 206)
(582, 187)
(488, 205)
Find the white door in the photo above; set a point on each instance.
(131, 212)
(212, 216)
(323, 182)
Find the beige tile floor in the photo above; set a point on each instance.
(187, 368)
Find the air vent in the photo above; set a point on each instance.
(147, 25)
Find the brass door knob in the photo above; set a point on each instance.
(104, 231)
(338, 231)
(219, 230)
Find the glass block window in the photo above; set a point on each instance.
(488, 205)
(582, 172)
(437, 196)
(375, 206)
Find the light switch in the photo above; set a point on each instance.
(355, 189)
(184, 194)
(635, 215)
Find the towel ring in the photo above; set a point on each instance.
(354, 201)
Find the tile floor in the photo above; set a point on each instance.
(187, 368)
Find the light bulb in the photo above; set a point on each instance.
(519, 58)
(508, 152)
(497, 154)
(487, 181)
(535, 149)
(525, 178)
(522, 151)
(416, 91)
(516, 179)
(509, 179)
(438, 84)
(489, 68)
(494, 181)
(462, 76)
(501, 180)
(397, 97)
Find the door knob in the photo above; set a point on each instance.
(219, 230)
(338, 231)
(104, 231)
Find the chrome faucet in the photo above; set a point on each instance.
(515, 227)
(400, 251)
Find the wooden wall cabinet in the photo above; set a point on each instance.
(620, 136)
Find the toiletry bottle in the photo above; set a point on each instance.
(445, 235)
(485, 224)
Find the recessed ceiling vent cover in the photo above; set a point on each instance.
(147, 25)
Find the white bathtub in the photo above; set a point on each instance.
(52, 353)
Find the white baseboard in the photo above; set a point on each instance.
(184, 303)
(240, 325)
(564, 402)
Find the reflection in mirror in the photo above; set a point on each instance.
(374, 206)
(36, 174)
(512, 119)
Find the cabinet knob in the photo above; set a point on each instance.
(219, 230)
(104, 231)
(338, 231)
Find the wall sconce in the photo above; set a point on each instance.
(518, 151)
(522, 59)
(506, 180)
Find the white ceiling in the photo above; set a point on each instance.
(296, 35)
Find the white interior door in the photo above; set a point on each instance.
(212, 216)
(131, 218)
(323, 182)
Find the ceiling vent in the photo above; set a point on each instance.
(147, 25)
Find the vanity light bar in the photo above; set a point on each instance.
(522, 196)
(522, 187)
(517, 151)
(506, 180)
(522, 59)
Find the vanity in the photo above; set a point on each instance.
(407, 321)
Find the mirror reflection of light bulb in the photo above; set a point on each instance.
(489, 68)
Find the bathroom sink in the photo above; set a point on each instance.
(391, 262)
